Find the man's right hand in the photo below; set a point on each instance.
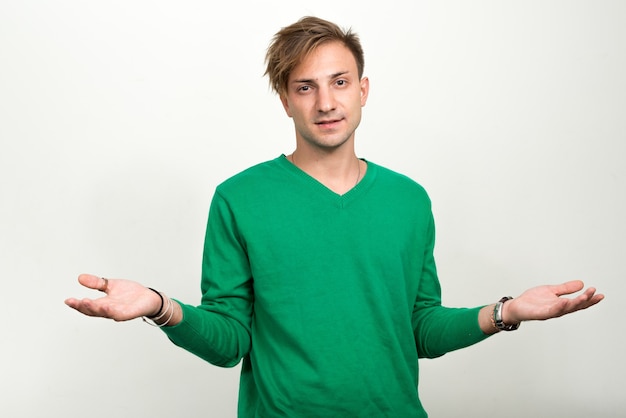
(123, 299)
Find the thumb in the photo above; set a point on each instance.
(93, 282)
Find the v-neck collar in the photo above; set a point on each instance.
(322, 191)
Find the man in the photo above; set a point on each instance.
(318, 266)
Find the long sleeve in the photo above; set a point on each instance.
(439, 329)
(218, 330)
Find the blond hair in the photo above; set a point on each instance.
(293, 43)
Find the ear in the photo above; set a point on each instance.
(365, 89)
(285, 103)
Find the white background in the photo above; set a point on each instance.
(118, 119)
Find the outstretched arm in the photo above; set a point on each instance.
(541, 303)
(124, 300)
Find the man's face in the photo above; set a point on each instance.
(324, 97)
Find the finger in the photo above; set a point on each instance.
(105, 286)
(568, 288)
(584, 301)
(84, 306)
(93, 282)
(596, 298)
(591, 298)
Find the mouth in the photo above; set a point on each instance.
(328, 123)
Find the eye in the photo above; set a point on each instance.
(304, 89)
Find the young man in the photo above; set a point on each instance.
(318, 266)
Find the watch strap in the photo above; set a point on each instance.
(497, 316)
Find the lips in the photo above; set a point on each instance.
(328, 122)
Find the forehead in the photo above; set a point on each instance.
(325, 60)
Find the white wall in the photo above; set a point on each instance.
(118, 119)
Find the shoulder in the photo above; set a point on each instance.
(252, 177)
(397, 182)
(255, 171)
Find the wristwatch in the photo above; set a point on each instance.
(497, 316)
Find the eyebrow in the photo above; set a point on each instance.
(310, 80)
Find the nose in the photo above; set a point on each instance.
(325, 100)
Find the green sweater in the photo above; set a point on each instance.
(328, 299)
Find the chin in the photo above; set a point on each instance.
(330, 145)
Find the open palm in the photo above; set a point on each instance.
(545, 302)
(123, 300)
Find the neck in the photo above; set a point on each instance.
(339, 173)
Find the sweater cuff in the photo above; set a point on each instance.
(475, 333)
